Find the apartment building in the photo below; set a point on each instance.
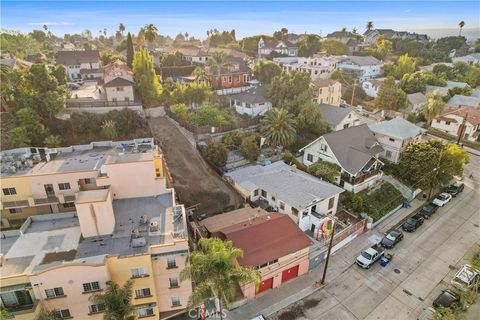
(327, 91)
(319, 67)
(125, 226)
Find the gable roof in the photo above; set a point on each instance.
(463, 101)
(69, 58)
(267, 238)
(334, 115)
(361, 60)
(119, 82)
(274, 44)
(320, 83)
(473, 114)
(342, 34)
(416, 98)
(257, 94)
(397, 128)
(288, 184)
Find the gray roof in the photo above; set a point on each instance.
(353, 147)
(334, 115)
(416, 98)
(362, 60)
(320, 83)
(288, 184)
(254, 95)
(463, 101)
(397, 128)
(68, 58)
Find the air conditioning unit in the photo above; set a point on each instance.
(135, 233)
(143, 219)
(154, 226)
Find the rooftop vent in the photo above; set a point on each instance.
(154, 226)
(139, 242)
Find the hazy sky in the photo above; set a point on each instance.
(246, 17)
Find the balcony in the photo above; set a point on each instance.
(15, 204)
(45, 200)
(23, 309)
(359, 178)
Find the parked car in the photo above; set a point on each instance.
(466, 278)
(455, 189)
(427, 314)
(442, 199)
(369, 256)
(413, 223)
(447, 299)
(391, 238)
(428, 210)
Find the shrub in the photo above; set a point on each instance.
(216, 153)
(233, 138)
(325, 171)
(249, 148)
(182, 112)
(290, 159)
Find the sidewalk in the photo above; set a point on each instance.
(295, 290)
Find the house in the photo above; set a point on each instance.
(319, 67)
(234, 74)
(339, 118)
(114, 220)
(193, 54)
(14, 63)
(271, 242)
(460, 101)
(283, 47)
(366, 67)
(416, 101)
(81, 64)
(355, 150)
(306, 199)
(371, 37)
(118, 82)
(327, 91)
(371, 86)
(253, 102)
(473, 58)
(350, 39)
(394, 136)
(449, 85)
(451, 122)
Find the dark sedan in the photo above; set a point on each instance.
(391, 238)
(413, 223)
(428, 210)
(447, 299)
(455, 189)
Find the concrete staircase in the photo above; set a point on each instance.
(406, 192)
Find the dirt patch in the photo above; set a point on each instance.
(194, 181)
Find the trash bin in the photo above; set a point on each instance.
(384, 261)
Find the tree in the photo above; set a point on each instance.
(291, 90)
(369, 25)
(109, 130)
(146, 80)
(434, 106)
(121, 28)
(215, 153)
(461, 25)
(334, 47)
(19, 137)
(383, 48)
(309, 45)
(151, 33)
(404, 65)
(325, 171)
(278, 128)
(29, 120)
(107, 57)
(216, 63)
(310, 120)
(413, 82)
(390, 97)
(52, 141)
(192, 94)
(249, 148)
(117, 301)
(182, 112)
(266, 70)
(209, 114)
(215, 271)
(60, 73)
(130, 50)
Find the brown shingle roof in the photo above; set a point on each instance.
(266, 238)
(69, 58)
(118, 82)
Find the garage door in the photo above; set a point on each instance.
(265, 285)
(289, 274)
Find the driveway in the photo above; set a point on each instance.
(194, 181)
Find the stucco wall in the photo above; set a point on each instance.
(96, 218)
(114, 95)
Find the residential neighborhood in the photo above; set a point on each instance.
(240, 160)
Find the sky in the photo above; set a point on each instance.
(437, 18)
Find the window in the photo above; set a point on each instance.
(96, 308)
(391, 139)
(69, 205)
(173, 282)
(282, 206)
(139, 272)
(273, 198)
(264, 193)
(15, 210)
(331, 202)
(63, 314)
(119, 88)
(230, 79)
(175, 301)
(447, 123)
(345, 126)
(320, 91)
(304, 214)
(255, 192)
(323, 147)
(171, 263)
(142, 293)
(145, 311)
(9, 191)
(55, 292)
(88, 181)
(64, 186)
(309, 157)
(388, 154)
(91, 286)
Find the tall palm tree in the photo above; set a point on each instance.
(105, 32)
(278, 128)
(150, 33)
(344, 29)
(369, 25)
(461, 25)
(117, 301)
(434, 106)
(213, 268)
(216, 63)
(121, 28)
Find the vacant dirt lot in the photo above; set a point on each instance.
(194, 181)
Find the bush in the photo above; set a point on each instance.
(209, 114)
(182, 112)
(233, 138)
(325, 171)
(290, 159)
(249, 148)
(216, 153)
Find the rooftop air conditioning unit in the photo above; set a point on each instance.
(143, 219)
(135, 233)
(154, 226)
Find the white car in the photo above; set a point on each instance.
(442, 199)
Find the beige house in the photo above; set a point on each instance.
(118, 82)
(327, 91)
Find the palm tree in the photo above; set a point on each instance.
(186, 36)
(208, 33)
(121, 28)
(117, 301)
(213, 268)
(217, 63)
(278, 128)
(434, 106)
(461, 25)
(354, 30)
(344, 29)
(105, 32)
(150, 33)
(369, 25)
(45, 27)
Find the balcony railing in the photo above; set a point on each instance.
(46, 200)
(359, 178)
(15, 204)
(23, 309)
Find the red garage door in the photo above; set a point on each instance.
(289, 274)
(265, 285)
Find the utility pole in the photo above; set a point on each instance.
(328, 253)
(462, 128)
(353, 91)
(434, 177)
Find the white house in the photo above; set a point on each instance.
(279, 46)
(355, 150)
(371, 36)
(451, 122)
(305, 198)
(253, 102)
(339, 118)
(394, 136)
(81, 64)
(327, 91)
(317, 66)
(371, 86)
(366, 67)
(473, 58)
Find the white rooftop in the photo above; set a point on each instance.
(397, 128)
